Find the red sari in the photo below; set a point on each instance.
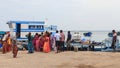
(37, 44)
(46, 47)
(15, 49)
(4, 47)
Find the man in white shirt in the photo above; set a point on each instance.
(57, 39)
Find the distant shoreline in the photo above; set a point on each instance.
(88, 30)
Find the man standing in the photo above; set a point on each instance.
(57, 39)
(69, 36)
(114, 39)
(62, 40)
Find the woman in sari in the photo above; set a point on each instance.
(4, 47)
(41, 42)
(34, 40)
(14, 45)
(30, 44)
(15, 49)
(46, 47)
(37, 43)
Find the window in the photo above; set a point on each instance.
(31, 26)
(36, 27)
(42, 27)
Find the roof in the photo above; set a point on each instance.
(26, 22)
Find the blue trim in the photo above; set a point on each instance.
(30, 30)
(33, 29)
(27, 22)
(20, 39)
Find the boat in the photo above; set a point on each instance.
(24, 27)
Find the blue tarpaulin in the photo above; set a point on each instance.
(88, 34)
(2, 32)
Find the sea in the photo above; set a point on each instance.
(97, 36)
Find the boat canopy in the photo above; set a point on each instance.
(26, 22)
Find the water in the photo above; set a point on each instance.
(97, 36)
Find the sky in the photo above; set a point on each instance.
(66, 14)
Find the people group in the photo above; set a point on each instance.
(48, 41)
(8, 44)
(43, 42)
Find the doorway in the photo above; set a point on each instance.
(18, 30)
